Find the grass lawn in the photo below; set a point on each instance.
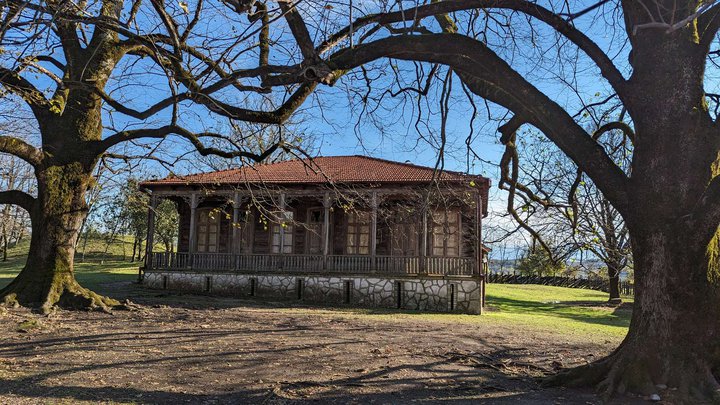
(97, 268)
(575, 314)
(565, 310)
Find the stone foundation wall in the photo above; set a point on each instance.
(461, 295)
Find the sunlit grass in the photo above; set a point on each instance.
(97, 268)
(567, 310)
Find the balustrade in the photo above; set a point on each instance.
(342, 264)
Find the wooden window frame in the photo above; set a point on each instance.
(310, 233)
(288, 248)
(353, 239)
(444, 226)
(203, 238)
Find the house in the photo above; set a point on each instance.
(349, 230)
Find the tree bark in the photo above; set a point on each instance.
(5, 248)
(673, 335)
(135, 243)
(48, 279)
(614, 284)
(674, 332)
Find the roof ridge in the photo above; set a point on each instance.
(414, 165)
(318, 165)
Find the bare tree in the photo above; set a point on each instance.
(653, 60)
(563, 210)
(74, 65)
(14, 174)
(670, 201)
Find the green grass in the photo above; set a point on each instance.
(97, 268)
(568, 312)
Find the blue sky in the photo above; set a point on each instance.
(331, 118)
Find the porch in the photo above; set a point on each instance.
(307, 263)
(381, 231)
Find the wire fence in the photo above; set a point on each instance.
(627, 288)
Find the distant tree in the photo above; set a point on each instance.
(130, 210)
(166, 224)
(565, 211)
(14, 174)
(132, 206)
(538, 262)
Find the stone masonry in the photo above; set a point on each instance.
(441, 294)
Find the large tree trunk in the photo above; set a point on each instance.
(614, 283)
(48, 279)
(673, 338)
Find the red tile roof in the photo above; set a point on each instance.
(337, 169)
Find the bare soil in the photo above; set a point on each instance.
(192, 349)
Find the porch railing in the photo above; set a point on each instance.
(342, 264)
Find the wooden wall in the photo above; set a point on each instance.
(262, 237)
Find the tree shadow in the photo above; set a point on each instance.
(619, 316)
(391, 384)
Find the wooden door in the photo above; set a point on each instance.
(208, 231)
(404, 239)
(313, 237)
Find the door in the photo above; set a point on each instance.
(208, 230)
(314, 236)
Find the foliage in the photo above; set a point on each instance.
(131, 207)
(538, 262)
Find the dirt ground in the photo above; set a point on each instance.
(193, 349)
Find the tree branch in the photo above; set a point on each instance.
(17, 84)
(708, 24)
(299, 30)
(616, 125)
(19, 198)
(23, 150)
(195, 140)
(493, 79)
(607, 68)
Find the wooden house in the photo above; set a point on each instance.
(338, 229)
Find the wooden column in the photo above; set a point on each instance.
(479, 250)
(326, 228)
(281, 203)
(150, 231)
(373, 229)
(423, 237)
(237, 202)
(194, 201)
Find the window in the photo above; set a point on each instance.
(445, 233)
(208, 230)
(286, 237)
(314, 231)
(315, 216)
(358, 233)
